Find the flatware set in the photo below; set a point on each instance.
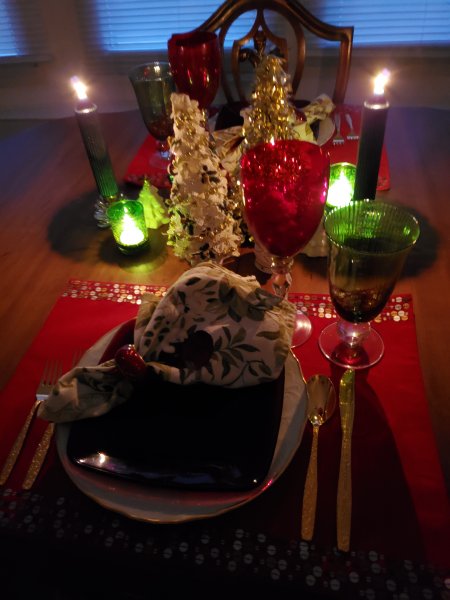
(321, 405)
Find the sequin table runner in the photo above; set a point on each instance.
(400, 508)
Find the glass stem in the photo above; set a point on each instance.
(163, 148)
(352, 334)
(281, 275)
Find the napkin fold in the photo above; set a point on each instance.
(213, 326)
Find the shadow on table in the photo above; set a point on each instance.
(421, 257)
(425, 251)
(74, 233)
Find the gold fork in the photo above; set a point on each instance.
(50, 375)
(52, 372)
(338, 139)
(351, 135)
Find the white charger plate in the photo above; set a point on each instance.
(164, 505)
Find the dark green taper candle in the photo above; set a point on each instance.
(87, 116)
(373, 124)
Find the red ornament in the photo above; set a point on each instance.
(130, 363)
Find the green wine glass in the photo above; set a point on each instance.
(153, 86)
(368, 245)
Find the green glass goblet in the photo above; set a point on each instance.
(369, 243)
(153, 86)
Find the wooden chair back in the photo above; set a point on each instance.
(260, 33)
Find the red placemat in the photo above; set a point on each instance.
(400, 507)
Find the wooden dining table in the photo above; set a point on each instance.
(49, 236)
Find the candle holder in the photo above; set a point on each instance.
(128, 226)
(342, 185)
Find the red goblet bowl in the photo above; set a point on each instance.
(285, 188)
(196, 64)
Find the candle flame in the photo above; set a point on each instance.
(131, 234)
(380, 82)
(340, 192)
(79, 87)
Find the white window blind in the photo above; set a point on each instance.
(388, 22)
(145, 25)
(22, 36)
(116, 26)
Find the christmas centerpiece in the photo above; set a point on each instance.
(204, 219)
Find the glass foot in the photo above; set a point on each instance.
(101, 206)
(357, 356)
(302, 330)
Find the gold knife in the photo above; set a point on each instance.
(18, 445)
(344, 494)
(39, 457)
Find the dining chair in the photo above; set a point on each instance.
(298, 20)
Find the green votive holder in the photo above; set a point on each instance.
(128, 226)
(341, 185)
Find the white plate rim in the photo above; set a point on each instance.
(164, 505)
(326, 131)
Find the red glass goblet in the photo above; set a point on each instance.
(196, 63)
(285, 187)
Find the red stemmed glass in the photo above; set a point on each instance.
(196, 63)
(285, 187)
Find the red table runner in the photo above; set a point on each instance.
(139, 167)
(400, 507)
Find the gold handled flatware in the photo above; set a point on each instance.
(351, 135)
(321, 405)
(344, 494)
(338, 138)
(39, 457)
(51, 373)
(18, 445)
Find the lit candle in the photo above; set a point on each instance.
(373, 124)
(131, 234)
(341, 185)
(128, 225)
(89, 124)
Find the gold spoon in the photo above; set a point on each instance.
(321, 405)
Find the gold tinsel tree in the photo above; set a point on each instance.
(271, 115)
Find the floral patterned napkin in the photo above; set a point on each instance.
(212, 326)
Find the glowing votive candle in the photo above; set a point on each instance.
(373, 124)
(128, 226)
(341, 185)
(87, 116)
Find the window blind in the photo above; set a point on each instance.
(22, 35)
(388, 22)
(115, 26)
(145, 25)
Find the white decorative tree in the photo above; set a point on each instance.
(202, 211)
